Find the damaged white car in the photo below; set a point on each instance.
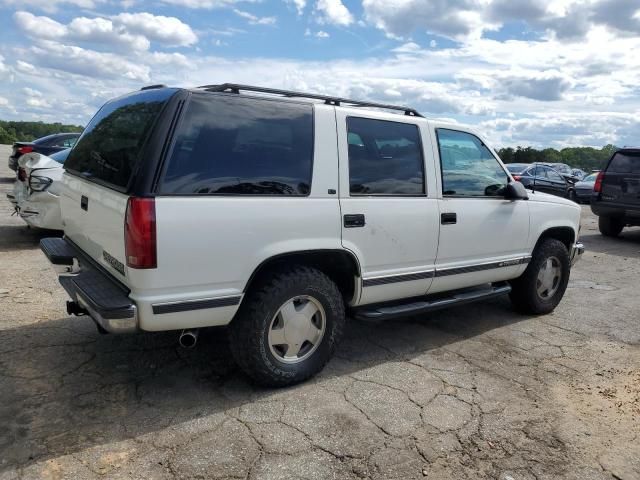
(37, 189)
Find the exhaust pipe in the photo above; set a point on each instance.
(188, 338)
(74, 309)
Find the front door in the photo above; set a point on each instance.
(483, 236)
(389, 206)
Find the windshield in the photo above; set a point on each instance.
(590, 178)
(60, 156)
(111, 146)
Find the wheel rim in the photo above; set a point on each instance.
(549, 277)
(297, 329)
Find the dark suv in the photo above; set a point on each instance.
(616, 193)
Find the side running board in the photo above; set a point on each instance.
(430, 303)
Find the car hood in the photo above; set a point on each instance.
(548, 198)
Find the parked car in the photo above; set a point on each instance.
(616, 192)
(563, 169)
(36, 192)
(542, 178)
(584, 188)
(45, 145)
(276, 212)
(578, 173)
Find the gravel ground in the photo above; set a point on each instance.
(468, 393)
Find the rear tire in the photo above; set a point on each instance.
(271, 324)
(542, 285)
(610, 226)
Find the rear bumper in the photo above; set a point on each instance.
(631, 213)
(94, 290)
(576, 252)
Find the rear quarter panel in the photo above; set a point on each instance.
(209, 245)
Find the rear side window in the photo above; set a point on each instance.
(624, 163)
(385, 158)
(111, 146)
(229, 145)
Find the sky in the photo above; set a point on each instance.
(541, 73)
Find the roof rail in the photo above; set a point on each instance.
(337, 101)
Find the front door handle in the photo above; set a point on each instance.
(448, 218)
(354, 220)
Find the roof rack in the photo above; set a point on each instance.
(337, 101)
(152, 87)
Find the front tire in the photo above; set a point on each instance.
(542, 285)
(610, 226)
(288, 327)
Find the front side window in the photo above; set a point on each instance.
(554, 176)
(229, 145)
(385, 158)
(469, 169)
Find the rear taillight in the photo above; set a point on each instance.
(517, 178)
(22, 174)
(597, 186)
(23, 150)
(140, 233)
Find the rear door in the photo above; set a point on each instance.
(621, 183)
(100, 170)
(388, 202)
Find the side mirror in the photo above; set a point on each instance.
(515, 191)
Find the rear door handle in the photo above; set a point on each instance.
(354, 220)
(84, 203)
(448, 218)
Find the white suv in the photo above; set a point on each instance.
(277, 212)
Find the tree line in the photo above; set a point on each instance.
(586, 158)
(27, 131)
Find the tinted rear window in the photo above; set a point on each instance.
(385, 158)
(624, 163)
(234, 145)
(111, 145)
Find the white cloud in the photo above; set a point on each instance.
(77, 60)
(253, 19)
(31, 92)
(299, 4)
(469, 19)
(124, 31)
(333, 12)
(52, 5)
(450, 18)
(166, 30)
(207, 4)
(4, 102)
(25, 67)
(322, 34)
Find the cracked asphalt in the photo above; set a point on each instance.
(468, 393)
